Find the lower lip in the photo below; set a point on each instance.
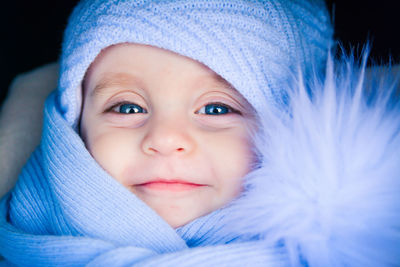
(170, 186)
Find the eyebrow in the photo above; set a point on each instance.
(220, 82)
(121, 79)
(112, 79)
(214, 80)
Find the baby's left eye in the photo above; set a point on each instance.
(216, 109)
(128, 108)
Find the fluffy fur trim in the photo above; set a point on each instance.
(328, 188)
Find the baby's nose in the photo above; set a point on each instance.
(168, 137)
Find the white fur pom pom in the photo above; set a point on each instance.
(328, 188)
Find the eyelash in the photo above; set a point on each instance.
(229, 108)
(118, 104)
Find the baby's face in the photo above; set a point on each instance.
(167, 128)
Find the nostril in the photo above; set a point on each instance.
(152, 149)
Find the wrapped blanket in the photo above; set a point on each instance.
(326, 193)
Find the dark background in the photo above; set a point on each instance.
(31, 31)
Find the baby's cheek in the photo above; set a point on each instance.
(236, 151)
(232, 160)
(111, 151)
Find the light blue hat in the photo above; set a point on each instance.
(252, 44)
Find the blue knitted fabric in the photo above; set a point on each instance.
(67, 211)
(327, 194)
(253, 45)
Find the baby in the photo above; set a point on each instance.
(160, 98)
(166, 127)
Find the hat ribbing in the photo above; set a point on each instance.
(251, 44)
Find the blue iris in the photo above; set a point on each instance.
(216, 109)
(131, 109)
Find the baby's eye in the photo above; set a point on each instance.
(128, 108)
(216, 109)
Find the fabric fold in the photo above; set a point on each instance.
(326, 193)
(67, 211)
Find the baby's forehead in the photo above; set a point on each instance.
(108, 81)
(125, 64)
(139, 55)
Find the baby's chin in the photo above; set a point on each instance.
(176, 214)
(178, 219)
(180, 208)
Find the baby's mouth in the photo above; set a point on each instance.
(169, 185)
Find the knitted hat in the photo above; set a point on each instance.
(252, 44)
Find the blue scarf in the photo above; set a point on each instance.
(67, 211)
(327, 193)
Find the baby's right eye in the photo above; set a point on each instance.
(128, 108)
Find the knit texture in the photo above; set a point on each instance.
(67, 211)
(254, 45)
(326, 193)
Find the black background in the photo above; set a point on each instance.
(31, 31)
